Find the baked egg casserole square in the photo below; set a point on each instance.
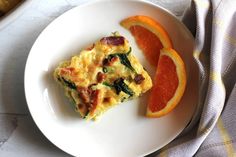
(102, 76)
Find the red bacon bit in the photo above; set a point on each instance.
(90, 47)
(68, 70)
(81, 106)
(139, 79)
(107, 99)
(113, 40)
(100, 77)
(71, 69)
(89, 97)
(107, 62)
(83, 93)
(113, 59)
(94, 99)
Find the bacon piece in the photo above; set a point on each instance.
(100, 77)
(94, 99)
(68, 70)
(107, 99)
(113, 40)
(83, 109)
(109, 62)
(113, 59)
(84, 95)
(90, 47)
(89, 97)
(139, 79)
(106, 62)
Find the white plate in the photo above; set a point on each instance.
(123, 130)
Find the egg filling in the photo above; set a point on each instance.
(102, 76)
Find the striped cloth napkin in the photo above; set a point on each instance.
(212, 131)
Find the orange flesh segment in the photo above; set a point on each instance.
(165, 85)
(148, 42)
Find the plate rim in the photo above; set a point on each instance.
(84, 5)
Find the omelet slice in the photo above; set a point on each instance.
(102, 76)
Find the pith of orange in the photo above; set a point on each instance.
(150, 36)
(169, 84)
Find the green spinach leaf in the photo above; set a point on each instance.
(69, 84)
(123, 59)
(120, 85)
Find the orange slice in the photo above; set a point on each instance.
(149, 35)
(170, 77)
(169, 84)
